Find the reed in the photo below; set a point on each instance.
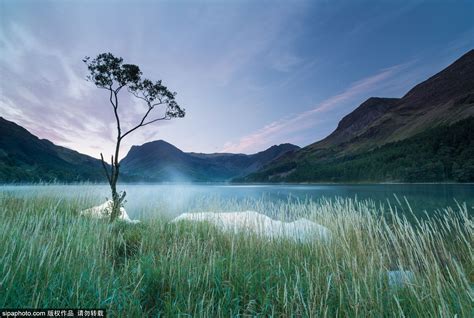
(51, 257)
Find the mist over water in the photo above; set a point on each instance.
(174, 199)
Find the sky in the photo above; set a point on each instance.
(250, 74)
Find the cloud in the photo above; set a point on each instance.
(25, 45)
(45, 92)
(284, 61)
(227, 60)
(285, 128)
(253, 44)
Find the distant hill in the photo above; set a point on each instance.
(160, 161)
(443, 104)
(424, 136)
(26, 158)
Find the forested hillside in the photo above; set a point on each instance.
(440, 154)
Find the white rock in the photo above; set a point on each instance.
(104, 210)
(400, 278)
(302, 230)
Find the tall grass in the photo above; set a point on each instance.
(51, 257)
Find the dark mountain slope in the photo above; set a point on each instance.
(161, 161)
(356, 123)
(441, 154)
(26, 158)
(441, 101)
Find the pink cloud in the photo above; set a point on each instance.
(281, 130)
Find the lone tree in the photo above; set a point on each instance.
(110, 73)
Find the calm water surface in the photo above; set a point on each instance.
(177, 198)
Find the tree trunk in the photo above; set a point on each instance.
(117, 198)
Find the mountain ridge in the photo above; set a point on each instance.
(160, 161)
(436, 115)
(442, 100)
(26, 158)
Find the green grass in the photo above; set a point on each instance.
(51, 257)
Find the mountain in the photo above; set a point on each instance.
(399, 126)
(160, 161)
(425, 136)
(26, 158)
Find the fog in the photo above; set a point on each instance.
(144, 200)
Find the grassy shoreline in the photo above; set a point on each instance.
(53, 258)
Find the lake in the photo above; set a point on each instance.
(179, 198)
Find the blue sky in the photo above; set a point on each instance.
(249, 73)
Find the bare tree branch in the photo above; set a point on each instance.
(110, 97)
(140, 124)
(134, 93)
(118, 89)
(122, 197)
(157, 104)
(117, 119)
(105, 168)
(157, 119)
